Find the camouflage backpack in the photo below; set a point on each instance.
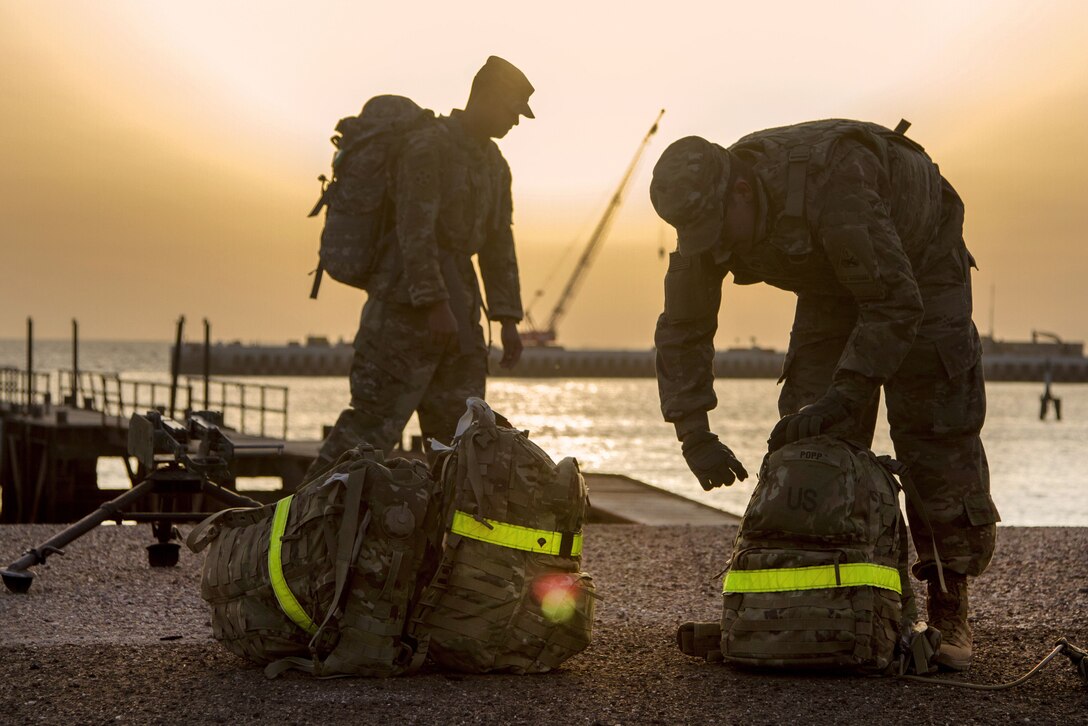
(358, 216)
(324, 580)
(818, 576)
(509, 594)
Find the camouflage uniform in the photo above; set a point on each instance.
(452, 199)
(858, 221)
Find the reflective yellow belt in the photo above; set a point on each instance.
(287, 600)
(854, 574)
(517, 537)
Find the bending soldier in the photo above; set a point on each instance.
(859, 223)
(420, 346)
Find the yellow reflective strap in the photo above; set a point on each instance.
(287, 600)
(513, 536)
(854, 574)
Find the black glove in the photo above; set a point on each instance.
(711, 461)
(845, 399)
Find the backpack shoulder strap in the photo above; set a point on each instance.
(348, 541)
(350, 531)
(796, 175)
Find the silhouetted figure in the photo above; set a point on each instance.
(857, 220)
(420, 346)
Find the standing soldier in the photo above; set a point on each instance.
(420, 346)
(859, 223)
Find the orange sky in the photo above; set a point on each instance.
(158, 159)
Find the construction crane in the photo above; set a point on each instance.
(1036, 334)
(545, 336)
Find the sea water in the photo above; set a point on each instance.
(1037, 469)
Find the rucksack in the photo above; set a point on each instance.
(793, 164)
(359, 215)
(325, 579)
(509, 594)
(818, 576)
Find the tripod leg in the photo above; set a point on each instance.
(16, 577)
(163, 553)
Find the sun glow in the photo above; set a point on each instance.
(167, 153)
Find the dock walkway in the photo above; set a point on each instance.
(617, 498)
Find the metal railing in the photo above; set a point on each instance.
(111, 395)
(250, 408)
(13, 388)
(238, 397)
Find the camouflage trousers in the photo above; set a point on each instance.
(397, 370)
(936, 405)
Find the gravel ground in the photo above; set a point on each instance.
(101, 637)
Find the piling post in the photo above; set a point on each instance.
(207, 360)
(175, 366)
(75, 363)
(29, 364)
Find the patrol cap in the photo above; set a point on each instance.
(688, 191)
(504, 77)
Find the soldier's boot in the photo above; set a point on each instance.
(948, 613)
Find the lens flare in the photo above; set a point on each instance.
(558, 596)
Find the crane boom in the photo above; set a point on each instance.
(1036, 334)
(547, 335)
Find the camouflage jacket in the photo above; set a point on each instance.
(845, 209)
(452, 200)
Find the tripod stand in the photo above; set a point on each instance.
(162, 448)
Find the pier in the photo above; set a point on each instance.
(1003, 361)
(49, 453)
(319, 357)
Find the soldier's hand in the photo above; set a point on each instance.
(812, 420)
(511, 344)
(441, 323)
(711, 461)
